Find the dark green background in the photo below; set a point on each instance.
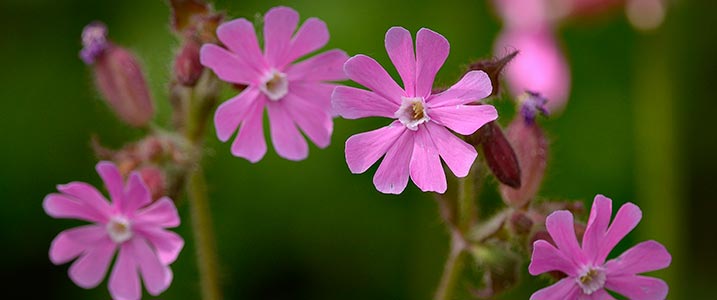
(638, 127)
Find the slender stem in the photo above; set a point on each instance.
(452, 269)
(466, 201)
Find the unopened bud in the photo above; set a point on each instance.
(187, 67)
(520, 223)
(500, 265)
(531, 149)
(155, 181)
(183, 12)
(499, 155)
(494, 68)
(94, 42)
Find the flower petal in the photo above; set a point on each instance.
(327, 66)
(638, 287)
(137, 195)
(464, 119)
(279, 25)
(89, 270)
(167, 244)
(151, 269)
(250, 142)
(161, 213)
(240, 37)
(113, 180)
(475, 85)
(230, 113)
(457, 154)
(312, 35)
(317, 92)
(561, 227)
(392, 175)
(124, 280)
(600, 294)
(425, 165)
(625, 221)
(70, 243)
(399, 46)
(288, 141)
(564, 289)
(364, 149)
(353, 103)
(547, 258)
(369, 73)
(226, 65)
(643, 257)
(314, 121)
(431, 52)
(597, 226)
(68, 207)
(88, 195)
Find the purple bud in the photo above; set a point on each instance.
(94, 42)
(494, 68)
(120, 80)
(499, 155)
(530, 105)
(531, 148)
(187, 67)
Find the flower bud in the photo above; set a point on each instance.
(520, 223)
(94, 42)
(499, 155)
(187, 68)
(155, 180)
(494, 68)
(500, 265)
(183, 12)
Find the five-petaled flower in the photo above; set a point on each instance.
(294, 94)
(131, 225)
(588, 274)
(413, 143)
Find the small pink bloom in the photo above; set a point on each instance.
(413, 143)
(588, 275)
(131, 225)
(295, 94)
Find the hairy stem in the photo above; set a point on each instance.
(452, 269)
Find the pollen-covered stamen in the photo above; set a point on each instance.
(274, 85)
(591, 280)
(412, 112)
(119, 229)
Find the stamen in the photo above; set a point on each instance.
(275, 85)
(412, 112)
(119, 229)
(592, 280)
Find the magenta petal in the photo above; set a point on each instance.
(643, 257)
(250, 142)
(279, 24)
(226, 65)
(112, 179)
(458, 155)
(161, 213)
(597, 226)
(561, 228)
(230, 113)
(314, 121)
(625, 221)
(599, 295)
(152, 270)
(392, 175)
(353, 103)
(67, 207)
(369, 73)
(124, 280)
(167, 244)
(637, 287)
(327, 66)
(137, 195)
(399, 46)
(70, 243)
(564, 289)
(287, 140)
(364, 149)
(431, 52)
(88, 195)
(475, 85)
(317, 93)
(425, 165)
(464, 119)
(240, 37)
(547, 258)
(312, 35)
(89, 270)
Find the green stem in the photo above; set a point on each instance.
(452, 270)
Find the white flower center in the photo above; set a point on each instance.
(119, 229)
(591, 280)
(274, 85)
(412, 112)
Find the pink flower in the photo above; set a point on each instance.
(294, 94)
(588, 275)
(413, 142)
(131, 225)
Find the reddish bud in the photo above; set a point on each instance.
(184, 11)
(494, 68)
(520, 223)
(499, 155)
(155, 181)
(531, 148)
(187, 67)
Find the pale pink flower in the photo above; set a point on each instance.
(588, 274)
(294, 94)
(131, 225)
(413, 143)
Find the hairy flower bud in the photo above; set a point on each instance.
(494, 68)
(187, 68)
(183, 12)
(155, 180)
(499, 155)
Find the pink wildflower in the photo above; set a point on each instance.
(588, 275)
(131, 225)
(413, 142)
(294, 94)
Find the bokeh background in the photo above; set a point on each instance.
(638, 127)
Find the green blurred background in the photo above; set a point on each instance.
(638, 127)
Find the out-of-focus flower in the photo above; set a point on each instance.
(646, 14)
(187, 67)
(94, 42)
(588, 274)
(413, 143)
(294, 94)
(131, 224)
